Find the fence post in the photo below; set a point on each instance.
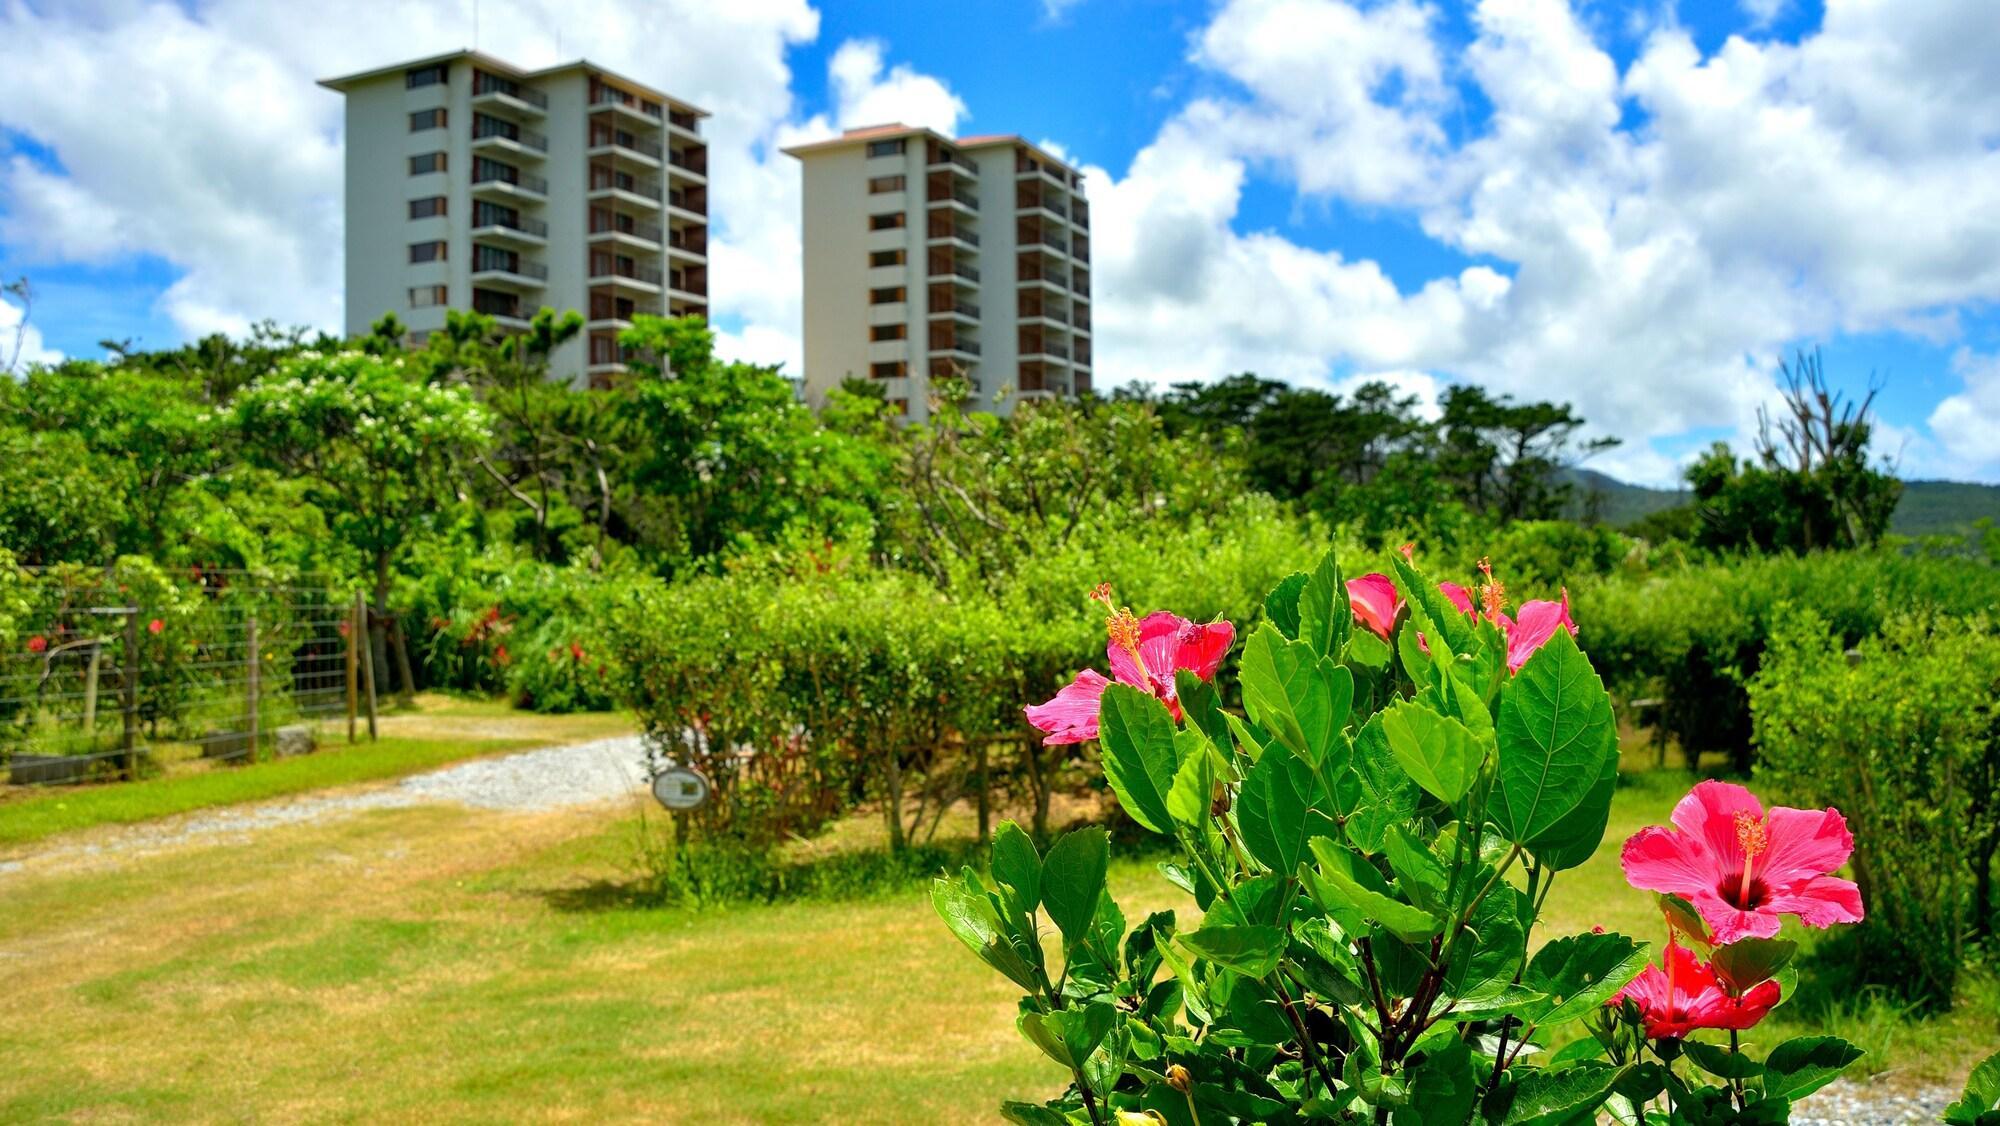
(368, 665)
(353, 669)
(985, 797)
(256, 686)
(131, 702)
(90, 690)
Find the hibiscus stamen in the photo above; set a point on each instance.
(1753, 838)
(1493, 595)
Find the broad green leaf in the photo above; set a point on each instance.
(1574, 839)
(1748, 962)
(1068, 1036)
(1295, 694)
(1280, 806)
(1194, 783)
(1485, 961)
(1367, 650)
(1450, 621)
(1385, 794)
(1281, 606)
(1344, 879)
(1073, 880)
(1419, 873)
(1682, 917)
(1138, 737)
(1442, 1085)
(1031, 1114)
(1324, 616)
(1981, 1098)
(1720, 1061)
(1797, 1068)
(1249, 950)
(1202, 705)
(1017, 867)
(1580, 973)
(968, 910)
(1252, 742)
(1548, 1098)
(1556, 737)
(1437, 751)
(1256, 1012)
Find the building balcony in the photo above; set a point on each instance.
(636, 191)
(684, 123)
(492, 136)
(518, 187)
(617, 104)
(956, 310)
(491, 92)
(1044, 349)
(515, 230)
(680, 305)
(953, 236)
(954, 346)
(691, 203)
(625, 277)
(626, 147)
(690, 161)
(508, 270)
(1043, 175)
(638, 234)
(956, 200)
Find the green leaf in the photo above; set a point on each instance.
(1982, 1095)
(1437, 751)
(1556, 737)
(1367, 650)
(1451, 622)
(1720, 1061)
(1138, 737)
(1295, 694)
(1281, 804)
(1249, 950)
(1324, 616)
(1031, 1114)
(1194, 783)
(968, 910)
(1547, 1098)
(1017, 867)
(1281, 606)
(1580, 973)
(1574, 839)
(1073, 880)
(1385, 795)
(1344, 880)
(1442, 1085)
(1797, 1068)
(1748, 962)
(1068, 1036)
(1202, 705)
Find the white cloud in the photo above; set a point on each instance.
(21, 344)
(864, 94)
(1967, 424)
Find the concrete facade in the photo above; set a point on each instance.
(474, 184)
(928, 258)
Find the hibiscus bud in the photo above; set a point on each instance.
(1179, 1079)
(1218, 803)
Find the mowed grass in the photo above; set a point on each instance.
(439, 964)
(441, 730)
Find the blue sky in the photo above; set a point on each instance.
(1636, 207)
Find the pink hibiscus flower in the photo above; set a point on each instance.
(1375, 603)
(1143, 654)
(1537, 622)
(1743, 868)
(1687, 995)
(1460, 597)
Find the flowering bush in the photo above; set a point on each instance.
(1369, 844)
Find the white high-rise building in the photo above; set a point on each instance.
(927, 257)
(473, 184)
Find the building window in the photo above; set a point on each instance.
(427, 251)
(900, 406)
(425, 75)
(426, 162)
(888, 295)
(880, 184)
(889, 332)
(894, 369)
(886, 258)
(426, 207)
(426, 119)
(885, 148)
(888, 222)
(424, 296)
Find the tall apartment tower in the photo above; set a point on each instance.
(927, 257)
(473, 184)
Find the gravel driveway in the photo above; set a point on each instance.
(531, 781)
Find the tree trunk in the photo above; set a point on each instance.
(985, 799)
(892, 798)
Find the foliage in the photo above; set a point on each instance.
(1361, 953)
(1903, 732)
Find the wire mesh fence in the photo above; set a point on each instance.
(119, 672)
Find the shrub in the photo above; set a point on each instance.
(1904, 735)
(1361, 952)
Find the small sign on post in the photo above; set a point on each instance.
(680, 788)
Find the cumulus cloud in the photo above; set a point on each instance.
(1967, 424)
(21, 344)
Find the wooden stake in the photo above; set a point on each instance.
(368, 670)
(354, 620)
(256, 686)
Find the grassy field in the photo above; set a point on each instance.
(440, 730)
(441, 964)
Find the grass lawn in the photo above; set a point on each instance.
(443, 964)
(440, 730)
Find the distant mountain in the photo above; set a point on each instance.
(1927, 507)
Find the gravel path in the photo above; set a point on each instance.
(1841, 1103)
(551, 778)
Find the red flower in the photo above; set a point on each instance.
(342, 627)
(155, 626)
(500, 656)
(1743, 868)
(575, 652)
(1143, 654)
(1374, 600)
(38, 644)
(1687, 995)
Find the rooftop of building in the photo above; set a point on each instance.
(484, 61)
(865, 133)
